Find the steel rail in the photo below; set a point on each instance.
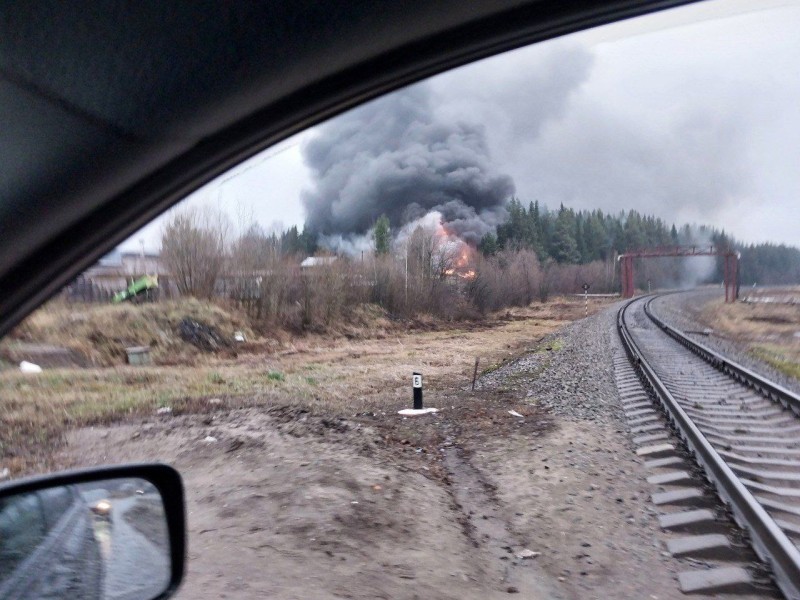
(768, 540)
(767, 388)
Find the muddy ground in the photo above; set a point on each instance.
(295, 502)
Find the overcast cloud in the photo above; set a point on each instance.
(690, 118)
(694, 124)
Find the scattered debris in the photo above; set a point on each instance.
(29, 367)
(526, 553)
(413, 412)
(215, 401)
(234, 445)
(164, 410)
(5, 473)
(239, 336)
(514, 413)
(209, 439)
(707, 331)
(201, 335)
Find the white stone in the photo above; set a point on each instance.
(29, 367)
(412, 412)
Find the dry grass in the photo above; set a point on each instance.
(769, 331)
(100, 332)
(783, 359)
(334, 375)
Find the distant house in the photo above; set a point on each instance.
(317, 261)
(115, 271)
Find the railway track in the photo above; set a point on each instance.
(741, 429)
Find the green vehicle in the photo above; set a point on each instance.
(136, 288)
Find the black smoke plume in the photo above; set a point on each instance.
(393, 156)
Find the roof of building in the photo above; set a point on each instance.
(316, 261)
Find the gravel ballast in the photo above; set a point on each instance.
(571, 372)
(679, 309)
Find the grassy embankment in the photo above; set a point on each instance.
(770, 332)
(365, 366)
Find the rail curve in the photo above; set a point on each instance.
(742, 429)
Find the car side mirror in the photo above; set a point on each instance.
(111, 532)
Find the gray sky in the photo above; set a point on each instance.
(691, 114)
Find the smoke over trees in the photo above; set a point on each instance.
(424, 268)
(393, 156)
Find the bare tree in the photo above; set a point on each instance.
(193, 249)
(253, 252)
(429, 255)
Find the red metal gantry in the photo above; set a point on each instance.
(730, 267)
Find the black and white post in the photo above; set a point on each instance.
(416, 385)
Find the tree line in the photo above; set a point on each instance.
(566, 236)
(534, 253)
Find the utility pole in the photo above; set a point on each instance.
(406, 273)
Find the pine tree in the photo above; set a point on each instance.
(488, 245)
(290, 242)
(382, 235)
(564, 247)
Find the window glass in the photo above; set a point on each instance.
(22, 529)
(55, 502)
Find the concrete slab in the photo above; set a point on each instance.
(638, 404)
(650, 437)
(690, 496)
(656, 450)
(721, 579)
(636, 413)
(629, 387)
(660, 463)
(647, 428)
(709, 545)
(687, 519)
(643, 419)
(787, 508)
(670, 478)
(793, 528)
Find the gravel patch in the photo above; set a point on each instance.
(570, 372)
(679, 309)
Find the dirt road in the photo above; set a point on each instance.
(472, 502)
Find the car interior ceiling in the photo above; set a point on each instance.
(112, 115)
